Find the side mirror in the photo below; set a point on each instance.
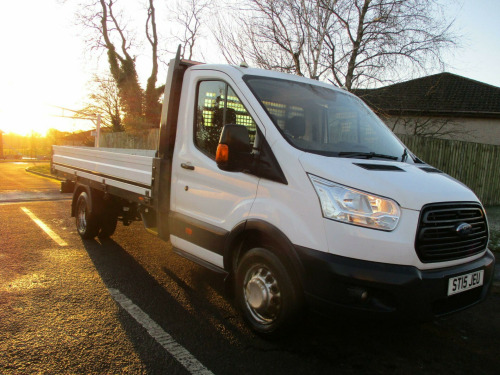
(234, 149)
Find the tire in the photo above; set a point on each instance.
(107, 225)
(266, 294)
(87, 224)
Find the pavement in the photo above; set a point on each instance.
(17, 186)
(496, 277)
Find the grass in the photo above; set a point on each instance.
(40, 168)
(494, 241)
(493, 214)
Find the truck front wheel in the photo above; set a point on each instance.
(87, 224)
(265, 293)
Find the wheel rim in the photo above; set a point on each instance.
(262, 294)
(81, 216)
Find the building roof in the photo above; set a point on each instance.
(443, 94)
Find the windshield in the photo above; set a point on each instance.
(323, 121)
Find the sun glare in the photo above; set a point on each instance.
(49, 73)
(37, 118)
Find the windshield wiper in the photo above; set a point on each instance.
(367, 155)
(405, 155)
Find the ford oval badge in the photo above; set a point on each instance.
(463, 229)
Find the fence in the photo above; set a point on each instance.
(476, 165)
(146, 140)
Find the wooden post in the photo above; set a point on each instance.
(97, 130)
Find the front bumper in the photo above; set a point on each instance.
(340, 283)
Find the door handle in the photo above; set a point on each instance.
(187, 166)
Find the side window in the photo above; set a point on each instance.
(217, 106)
(236, 113)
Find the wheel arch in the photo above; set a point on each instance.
(259, 233)
(96, 198)
(80, 188)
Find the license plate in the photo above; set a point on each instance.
(462, 283)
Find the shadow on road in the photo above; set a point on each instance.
(199, 318)
(184, 312)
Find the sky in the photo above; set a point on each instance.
(477, 21)
(44, 63)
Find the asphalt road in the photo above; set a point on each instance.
(129, 305)
(17, 185)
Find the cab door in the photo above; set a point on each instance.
(206, 201)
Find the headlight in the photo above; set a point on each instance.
(356, 207)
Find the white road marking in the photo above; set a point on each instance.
(44, 227)
(181, 354)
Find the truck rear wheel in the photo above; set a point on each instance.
(87, 224)
(107, 225)
(266, 294)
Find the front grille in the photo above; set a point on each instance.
(438, 239)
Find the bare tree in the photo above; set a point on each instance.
(380, 39)
(104, 100)
(283, 35)
(352, 43)
(123, 39)
(153, 93)
(122, 66)
(108, 30)
(190, 16)
(426, 126)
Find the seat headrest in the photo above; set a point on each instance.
(296, 126)
(230, 116)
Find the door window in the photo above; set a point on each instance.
(217, 106)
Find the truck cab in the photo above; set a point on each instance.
(302, 196)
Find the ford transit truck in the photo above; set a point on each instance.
(297, 192)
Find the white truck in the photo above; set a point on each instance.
(297, 191)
